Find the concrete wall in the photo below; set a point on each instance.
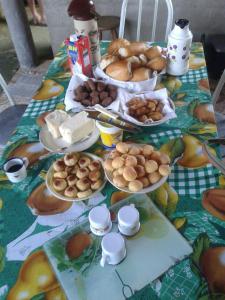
(206, 16)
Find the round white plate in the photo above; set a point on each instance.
(62, 197)
(143, 191)
(54, 145)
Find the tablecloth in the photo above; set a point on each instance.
(193, 198)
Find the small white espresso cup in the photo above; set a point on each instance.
(100, 220)
(128, 220)
(16, 168)
(113, 249)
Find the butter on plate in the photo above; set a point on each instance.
(76, 128)
(54, 120)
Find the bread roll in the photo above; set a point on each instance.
(164, 170)
(164, 159)
(143, 59)
(154, 177)
(147, 150)
(130, 161)
(122, 147)
(108, 165)
(153, 52)
(117, 162)
(151, 166)
(133, 49)
(129, 173)
(120, 181)
(134, 150)
(135, 62)
(141, 74)
(144, 181)
(107, 59)
(115, 45)
(135, 186)
(120, 70)
(157, 64)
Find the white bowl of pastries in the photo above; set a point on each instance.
(76, 176)
(146, 111)
(136, 168)
(132, 64)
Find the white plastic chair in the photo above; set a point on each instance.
(140, 8)
(218, 88)
(3, 84)
(10, 116)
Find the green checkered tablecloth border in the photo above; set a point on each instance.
(192, 182)
(187, 182)
(35, 108)
(159, 138)
(193, 76)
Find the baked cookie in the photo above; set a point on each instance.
(59, 184)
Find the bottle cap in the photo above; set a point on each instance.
(128, 216)
(182, 23)
(113, 243)
(99, 217)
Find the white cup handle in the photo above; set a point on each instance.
(103, 260)
(26, 161)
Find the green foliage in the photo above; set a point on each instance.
(200, 245)
(180, 223)
(2, 258)
(220, 229)
(144, 216)
(39, 297)
(192, 106)
(13, 146)
(176, 147)
(82, 263)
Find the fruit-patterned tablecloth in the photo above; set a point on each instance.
(193, 198)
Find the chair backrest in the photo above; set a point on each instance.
(3, 84)
(218, 88)
(140, 8)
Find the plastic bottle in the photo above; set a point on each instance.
(179, 45)
(85, 23)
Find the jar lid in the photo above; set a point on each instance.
(99, 217)
(113, 243)
(81, 9)
(182, 23)
(128, 216)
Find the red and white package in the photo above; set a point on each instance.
(79, 55)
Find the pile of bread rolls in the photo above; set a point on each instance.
(77, 175)
(132, 61)
(134, 167)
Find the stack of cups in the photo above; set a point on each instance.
(113, 244)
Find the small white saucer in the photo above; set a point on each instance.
(53, 145)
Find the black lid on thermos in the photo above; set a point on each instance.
(81, 9)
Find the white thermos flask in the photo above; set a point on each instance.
(179, 45)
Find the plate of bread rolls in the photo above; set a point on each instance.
(132, 65)
(76, 176)
(136, 168)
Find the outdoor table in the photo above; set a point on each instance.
(185, 202)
